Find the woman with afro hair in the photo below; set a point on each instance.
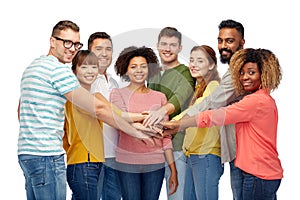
(141, 166)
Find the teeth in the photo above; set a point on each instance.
(89, 77)
(139, 76)
(247, 84)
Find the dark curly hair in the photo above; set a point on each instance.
(267, 63)
(128, 53)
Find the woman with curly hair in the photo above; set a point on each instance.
(141, 167)
(255, 73)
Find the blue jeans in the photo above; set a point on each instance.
(236, 180)
(141, 184)
(83, 180)
(202, 177)
(181, 165)
(259, 189)
(45, 177)
(109, 180)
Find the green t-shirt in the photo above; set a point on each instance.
(178, 86)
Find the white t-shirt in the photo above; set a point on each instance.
(110, 134)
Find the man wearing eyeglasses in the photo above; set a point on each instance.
(45, 86)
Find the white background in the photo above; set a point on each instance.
(26, 27)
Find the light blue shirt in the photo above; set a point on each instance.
(43, 84)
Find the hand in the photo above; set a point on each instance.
(145, 138)
(173, 183)
(154, 117)
(139, 126)
(147, 130)
(170, 127)
(158, 128)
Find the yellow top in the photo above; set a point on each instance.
(201, 140)
(83, 139)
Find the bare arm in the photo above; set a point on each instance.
(134, 117)
(172, 127)
(128, 116)
(173, 181)
(102, 109)
(157, 116)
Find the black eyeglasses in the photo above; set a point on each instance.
(68, 43)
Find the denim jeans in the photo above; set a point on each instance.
(141, 184)
(109, 181)
(202, 177)
(45, 176)
(236, 180)
(181, 165)
(259, 189)
(83, 180)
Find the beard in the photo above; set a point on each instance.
(226, 60)
(223, 59)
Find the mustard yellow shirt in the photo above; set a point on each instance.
(83, 139)
(201, 140)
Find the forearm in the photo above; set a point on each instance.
(173, 126)
(99, 107)
(169, 108)
(129, 117)
(133, 117)
(170, 159)
(108, 115)
(187, 121)
(173, 180)
(83, 99)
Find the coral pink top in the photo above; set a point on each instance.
(256, 119)
(131, 150)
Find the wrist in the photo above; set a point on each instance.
(164, 110)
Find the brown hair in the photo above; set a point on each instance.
(170, 32)
(63, 25)
(212, 75)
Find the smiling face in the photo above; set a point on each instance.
(229, 41)
(250, 77)
(58, 50)
(86, 75)
(199, 64)
(102, 47)
(168, 49)
(137, 70)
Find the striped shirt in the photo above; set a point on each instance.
(42, 115)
